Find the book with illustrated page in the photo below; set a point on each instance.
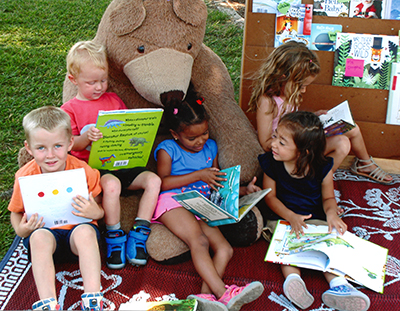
(139, 302)
(323, 36)
(273, 6)
(50, 195)
(364, 60)
(293, 24)
(224, 206)
(347, 255)
(367, 8)
(335, 8)
(128, 137)
(393, 108)
(338, 120)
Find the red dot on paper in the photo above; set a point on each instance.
(41, 194)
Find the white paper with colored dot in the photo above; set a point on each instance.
(50, 195)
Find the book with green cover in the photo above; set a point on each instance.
(224, 206)
(128, 137)
(347, 255)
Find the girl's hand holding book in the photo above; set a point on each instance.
(210, 176)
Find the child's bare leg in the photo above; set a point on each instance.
(150, 183)
(294, 287)
(223, 251)
(186, 227)
(84, 244)
(42, 245)
(337, 147)
(111, 192)
(360, 151)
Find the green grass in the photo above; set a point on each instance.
(35, 36)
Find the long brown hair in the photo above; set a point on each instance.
(286, 68)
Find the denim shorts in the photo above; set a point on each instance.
(63, 251)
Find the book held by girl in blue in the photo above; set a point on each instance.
(224, 206)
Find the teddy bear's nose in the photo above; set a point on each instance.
(170, 96)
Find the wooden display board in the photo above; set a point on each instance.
(367, 105)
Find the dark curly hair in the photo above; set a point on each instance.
(180, 114)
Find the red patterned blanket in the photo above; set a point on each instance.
(371, 211)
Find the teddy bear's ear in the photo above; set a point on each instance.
(193, 12)
(127, 16)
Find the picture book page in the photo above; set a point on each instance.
(50, 195)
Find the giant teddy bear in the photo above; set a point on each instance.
(155, 49)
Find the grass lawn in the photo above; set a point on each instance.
(35, 36)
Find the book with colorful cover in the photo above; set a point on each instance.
(176, 305)
(51, 196)
(335, 8)
(128, 137)
(367, 8)
(393, 108)
(273, 6)
(392, 9)
(323, 36)
(364, 60)
(224, 206)
(347, 255)
(293, 24)
(338, 120)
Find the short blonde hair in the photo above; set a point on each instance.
(48, 118)
(84, 51)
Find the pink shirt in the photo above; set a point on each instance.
(83, 114)
(279, 102)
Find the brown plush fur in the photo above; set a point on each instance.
(174, 29)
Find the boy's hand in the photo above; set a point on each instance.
(297, 222)
(26, 227)
(94, 134)
(210, 176)
(87, 208)
(320, 112)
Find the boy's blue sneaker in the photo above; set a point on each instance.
(136, 252)
(346, 298)
(116, 240)
(46, 304)
(92, 301)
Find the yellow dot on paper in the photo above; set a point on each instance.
(55, 192)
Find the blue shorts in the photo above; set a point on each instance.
(126, 176)
(63, 251)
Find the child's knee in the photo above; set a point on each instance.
(110, 184)
(152, 181)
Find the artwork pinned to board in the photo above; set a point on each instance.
(367, 8)
(364, 60)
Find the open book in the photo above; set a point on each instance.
(128, 137)
(224, 206)
(178, 305)
(347, 255)
(50, 195)
(338, 120)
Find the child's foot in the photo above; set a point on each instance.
(235, 297)
(346, 298)
(295, 290)
(116, 240)
(208, 302)
(92, 301)
(370, 169)
(46, 304)
(136, 252)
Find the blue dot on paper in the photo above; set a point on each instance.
(69, 189)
